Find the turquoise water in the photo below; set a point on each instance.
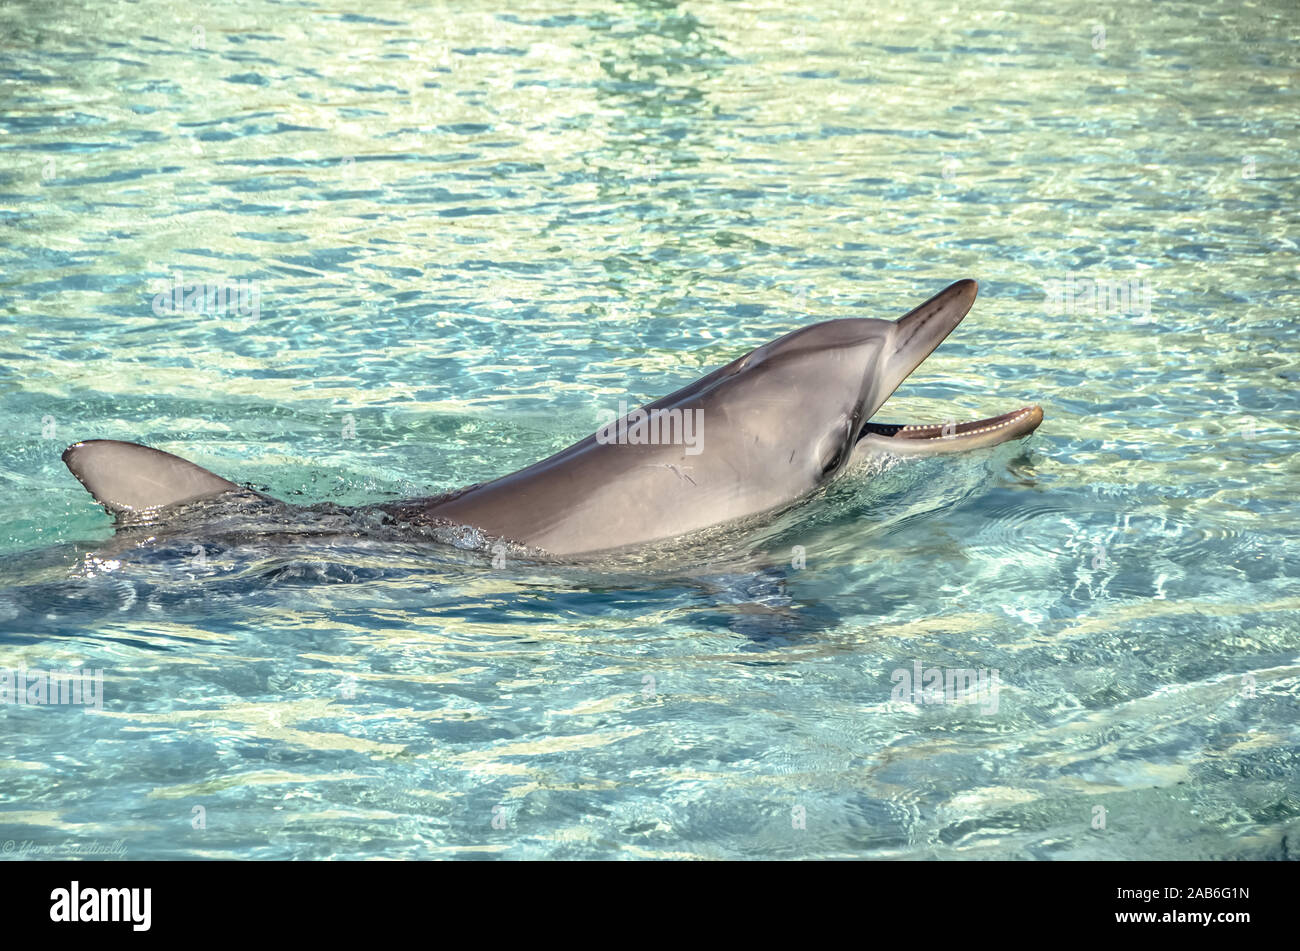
(472, 233)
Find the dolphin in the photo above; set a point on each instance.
(749, 439)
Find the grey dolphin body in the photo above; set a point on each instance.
(769, 429)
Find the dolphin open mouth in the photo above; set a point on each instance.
(916, 335)
(928, 439)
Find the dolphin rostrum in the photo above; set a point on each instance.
(749, 438)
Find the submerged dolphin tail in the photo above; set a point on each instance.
(126, 477)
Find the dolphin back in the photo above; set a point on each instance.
(126, 477)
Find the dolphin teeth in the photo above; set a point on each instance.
(1009, 421)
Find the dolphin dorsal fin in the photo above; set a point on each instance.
(126, 477)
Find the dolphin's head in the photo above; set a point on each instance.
(831, 378)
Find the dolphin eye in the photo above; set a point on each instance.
(834, 462)
(842, 444)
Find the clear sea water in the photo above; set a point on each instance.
(473, 231)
